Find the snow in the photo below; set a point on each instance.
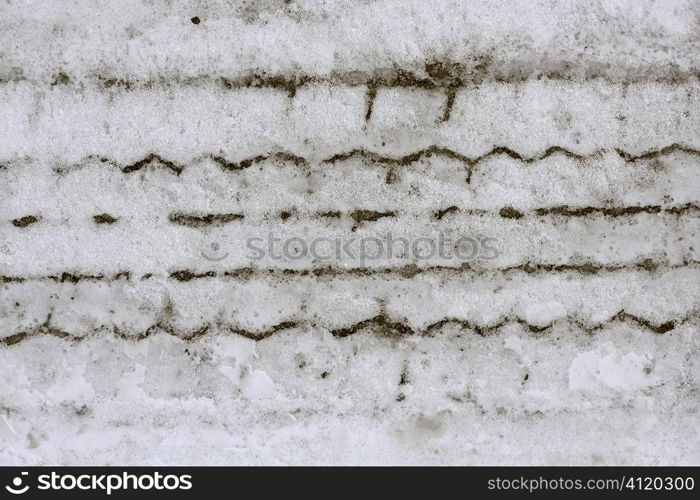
(140, 153)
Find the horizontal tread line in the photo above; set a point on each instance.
(407, 271)
(360, 216)
(437, 74)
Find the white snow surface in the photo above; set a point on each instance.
(144, 144)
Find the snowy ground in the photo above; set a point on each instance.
(144, 144)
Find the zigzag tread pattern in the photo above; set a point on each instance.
(380, 324)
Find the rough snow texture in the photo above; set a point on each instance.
(139, 149)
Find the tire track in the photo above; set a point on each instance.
(360, 216)
(445, 76)
(156, 160)
(379, 324)
(406, 271)
(442, 75)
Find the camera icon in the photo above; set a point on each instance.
(16, 488)
(214, 252)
